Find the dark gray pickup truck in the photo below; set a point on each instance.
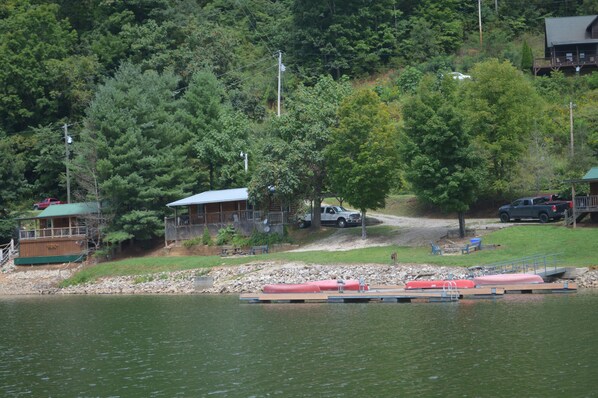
(539, 207)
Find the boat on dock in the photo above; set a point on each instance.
(441, 284)
(291, 288)
(507, 279)
(339, 284)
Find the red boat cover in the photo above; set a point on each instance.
(507, 279)
(439, 284)
(291, 288)
(332, 284)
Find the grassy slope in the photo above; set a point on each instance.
(575, 245)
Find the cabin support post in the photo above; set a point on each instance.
(574, 205)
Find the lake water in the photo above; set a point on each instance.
(217, 346)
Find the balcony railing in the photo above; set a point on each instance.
(586, 203)
(52, 232)
(561, 61)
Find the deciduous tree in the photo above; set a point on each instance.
(363, 153)
(441, 161)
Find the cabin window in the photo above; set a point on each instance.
(582, 56)
(200, 209)
(569, 57)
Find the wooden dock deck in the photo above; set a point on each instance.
(396, 294)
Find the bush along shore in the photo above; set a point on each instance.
(247, 278)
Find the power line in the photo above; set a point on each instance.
(268, 57)
(253, 24)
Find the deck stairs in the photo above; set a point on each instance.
(545, 265)
(578, 219)
(7, 252)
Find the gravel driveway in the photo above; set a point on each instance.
(410, 231)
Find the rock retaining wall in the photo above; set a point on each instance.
(238, 279)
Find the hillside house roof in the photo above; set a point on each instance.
(569, 30)
(224, 195)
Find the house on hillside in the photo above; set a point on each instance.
(588, 204)
(571, 45)
(59, 234)
(218, 209)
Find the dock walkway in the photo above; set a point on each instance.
(394, 294)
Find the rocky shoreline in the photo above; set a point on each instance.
(246, 278)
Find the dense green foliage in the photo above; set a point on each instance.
(160, 97)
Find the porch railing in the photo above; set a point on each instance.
(586, 203)
(52, 232)
(245, 221)
(230, 217)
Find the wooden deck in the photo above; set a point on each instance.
(396, 294)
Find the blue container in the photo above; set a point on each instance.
(476, 240)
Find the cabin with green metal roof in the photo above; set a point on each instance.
(585, 205)
(59, 234)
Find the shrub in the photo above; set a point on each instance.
(206, 238)
(260, 239)
(225, 235)
(192, 242)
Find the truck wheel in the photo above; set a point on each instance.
(341, 223)
(543, 218)
(504, 217)
(303, 224)
(35, 207)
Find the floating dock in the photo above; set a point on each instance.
(396, 294)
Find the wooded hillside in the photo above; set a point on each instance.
(160, 97)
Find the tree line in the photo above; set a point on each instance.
(161, 97)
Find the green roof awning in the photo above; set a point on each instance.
(71, 209)
(591, 176)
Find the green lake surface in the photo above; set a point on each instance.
(218, 346)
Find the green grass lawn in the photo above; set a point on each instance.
(575, 246)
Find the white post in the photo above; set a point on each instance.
(480, 19)
(279, 78)
(66, 149)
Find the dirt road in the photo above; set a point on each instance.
(410, 231)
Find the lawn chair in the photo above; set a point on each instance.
(436, 249)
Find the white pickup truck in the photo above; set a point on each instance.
(333, 215)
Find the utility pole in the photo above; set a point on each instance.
(480, 20)
(281, 69)
(66, 150)
(571, 128)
